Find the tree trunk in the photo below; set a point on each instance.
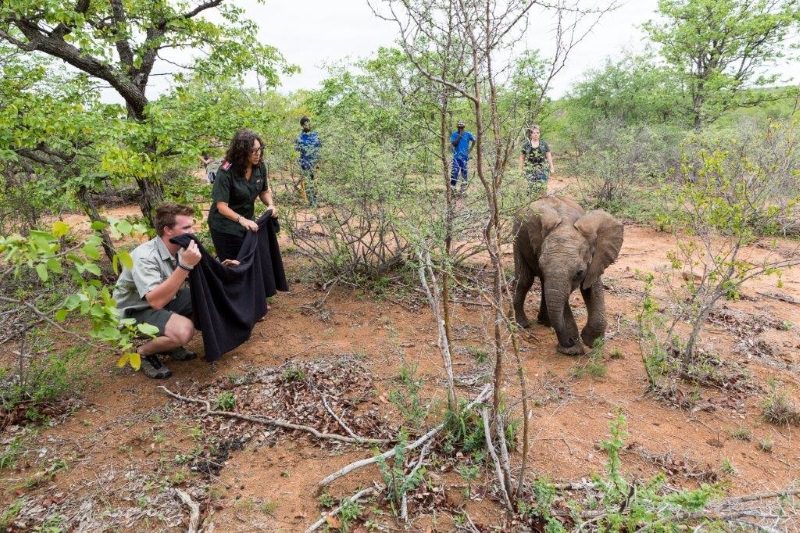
(152, 195)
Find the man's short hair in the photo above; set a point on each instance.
(166, 213)
(303, 121)
(460, 124)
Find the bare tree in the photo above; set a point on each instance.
(474, 34)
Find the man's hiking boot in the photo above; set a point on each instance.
(153, 368)
(181, 354)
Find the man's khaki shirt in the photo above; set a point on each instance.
(152, 265)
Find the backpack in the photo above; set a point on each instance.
(212, 169)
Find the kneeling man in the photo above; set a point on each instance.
(155, 290)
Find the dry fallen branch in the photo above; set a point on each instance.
(269, 422)
(377, 489)
(780, 297)
(347, 428)
(404, 503)
(485, 393)
(194, 508)
(722, 510)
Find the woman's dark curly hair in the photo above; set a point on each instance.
(238, 153)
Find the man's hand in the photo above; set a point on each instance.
(248, 224)
(230, 263)
(274, 210)
(190, 255)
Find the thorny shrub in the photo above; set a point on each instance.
(776, 408)
(731, 192)
(354, 232)
(619, 167)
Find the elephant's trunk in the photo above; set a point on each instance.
(556, 293)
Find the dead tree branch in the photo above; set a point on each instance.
(377, 489)
(269, 422)
(194, 508)
(484, 394)
(347, 429)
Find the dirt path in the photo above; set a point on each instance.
(129, 443)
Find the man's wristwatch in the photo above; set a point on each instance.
(186, 268)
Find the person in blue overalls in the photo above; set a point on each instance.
(308, 144)
(461, 142)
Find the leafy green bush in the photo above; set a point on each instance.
(226, 401)
(68, 270)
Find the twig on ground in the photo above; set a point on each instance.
(354, 498)
(779, 297)
(613, 334)
(760, 496)
(194, 508)
(390, 453)
(346, 428)
(471, 524)
(269, 422)
(464, 302)
(404, 503)
(562, 439)
(328, 287)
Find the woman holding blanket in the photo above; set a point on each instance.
(241, 178)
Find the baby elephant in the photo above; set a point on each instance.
(566, 249)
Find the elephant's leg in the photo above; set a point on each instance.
(574, 346)
(543, 318)
(525, 280)
(595, 307)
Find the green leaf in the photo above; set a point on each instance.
(91, 267)
(72, 302)
(61, 315)
(147, 329)
(122, 361)
(60, 228)
(91, 251)
(135, 360)
(41, 270)
(124, 227)
(126, 259)
(54, 265)
(99, 225)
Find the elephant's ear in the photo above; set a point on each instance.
(542, 219)
(604, 234)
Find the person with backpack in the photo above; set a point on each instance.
(536, 160)
(461, 143)
(208, 166)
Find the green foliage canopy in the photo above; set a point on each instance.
(718, 47)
